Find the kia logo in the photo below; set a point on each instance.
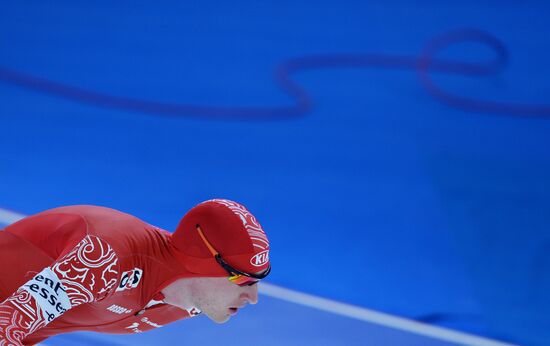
(260, 259)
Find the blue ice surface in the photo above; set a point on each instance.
(381, 196)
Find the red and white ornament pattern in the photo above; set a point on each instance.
(88, 273)
(252, 226)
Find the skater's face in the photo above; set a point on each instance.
(217, 297)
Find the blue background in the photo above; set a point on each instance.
(380, 196)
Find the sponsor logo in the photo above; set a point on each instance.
(260, 259)
(119, 309)
(135, 326)
(49, 293)
(146, 320)
(130, 279)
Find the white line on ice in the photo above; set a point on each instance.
(347, 310)
(376, 317)
(8, 216)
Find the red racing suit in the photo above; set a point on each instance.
(84, 268)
